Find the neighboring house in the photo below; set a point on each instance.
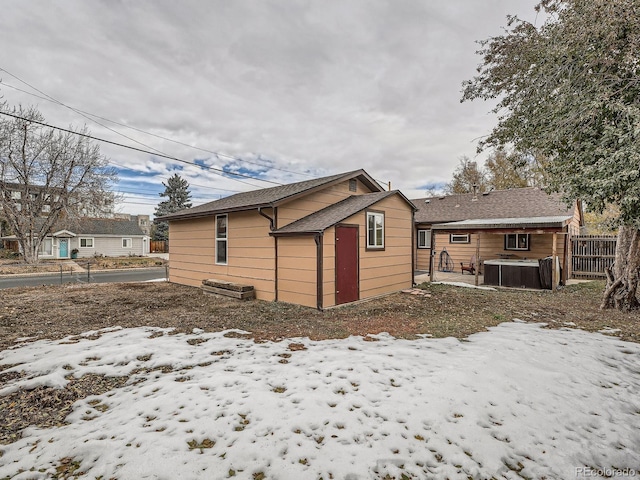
(318, 243)
(93, 236)
(144, 221)
(515, 224)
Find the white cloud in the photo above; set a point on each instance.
(316, 87)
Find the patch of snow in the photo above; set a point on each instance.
(515, 401)
(609, 331)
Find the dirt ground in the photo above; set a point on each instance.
(57, 311)
(54, 312)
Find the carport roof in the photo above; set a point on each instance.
(556, 221)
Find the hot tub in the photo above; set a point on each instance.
(512, 273)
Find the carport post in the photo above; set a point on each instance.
(554, 270)
(477, 269)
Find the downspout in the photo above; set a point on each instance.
(272, 227)
(414, 233)
(272, 223)
(318, 237)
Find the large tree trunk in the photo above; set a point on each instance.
(30, 250)
(622, 278)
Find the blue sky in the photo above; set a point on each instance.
(280, 90)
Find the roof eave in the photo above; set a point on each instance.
(208, 213)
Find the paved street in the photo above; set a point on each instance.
(105, 276)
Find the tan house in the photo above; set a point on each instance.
(503, 229)
(318, 243)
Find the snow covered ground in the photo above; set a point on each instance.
(518, 401)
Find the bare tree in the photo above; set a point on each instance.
(466, 177)
(46, 175)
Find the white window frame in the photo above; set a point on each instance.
(127, 243)
(46, 208)
(375, 245)
(424, 238)
(517, 241)
(222, 240)
(16, 195)
(43, 251)
(459, 238)
(85, 243)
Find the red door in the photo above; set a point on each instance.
(347, 288)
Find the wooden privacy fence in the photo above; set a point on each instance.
(159, 246)
(591, 254)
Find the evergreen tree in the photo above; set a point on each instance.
(178, 198)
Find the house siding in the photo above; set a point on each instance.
(109, 246)
(380, 271)
(297, 267)
(250, 252)
(296, 209)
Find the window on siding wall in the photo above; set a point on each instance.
(459, 238)
(126, 243)
(375, 230)
(516, 241)
(86, 243)
(424, 238)
(46, 247)
(221, 239)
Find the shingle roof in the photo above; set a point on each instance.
(267, 196)
(329, 216)
(99, 226)
(515, 203)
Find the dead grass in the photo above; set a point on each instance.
(60, 310)
(55, 312)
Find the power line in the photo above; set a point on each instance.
(84, 114)
(169, 157)
(164, 177)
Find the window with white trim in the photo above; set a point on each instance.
(459, 238)
(516, 241)
(424, 238)
(127, 243)
(86, 242)
(375, 230)
(15, 195)
(221, 239)
(46, 247)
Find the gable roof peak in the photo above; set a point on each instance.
(272, 196)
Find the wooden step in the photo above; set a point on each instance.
(229, 289)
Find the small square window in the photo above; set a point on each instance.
(459, 238)
(86, 243)
(424, 238)
(126, 243)
(516, 241)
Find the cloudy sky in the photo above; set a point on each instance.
(282, 90)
